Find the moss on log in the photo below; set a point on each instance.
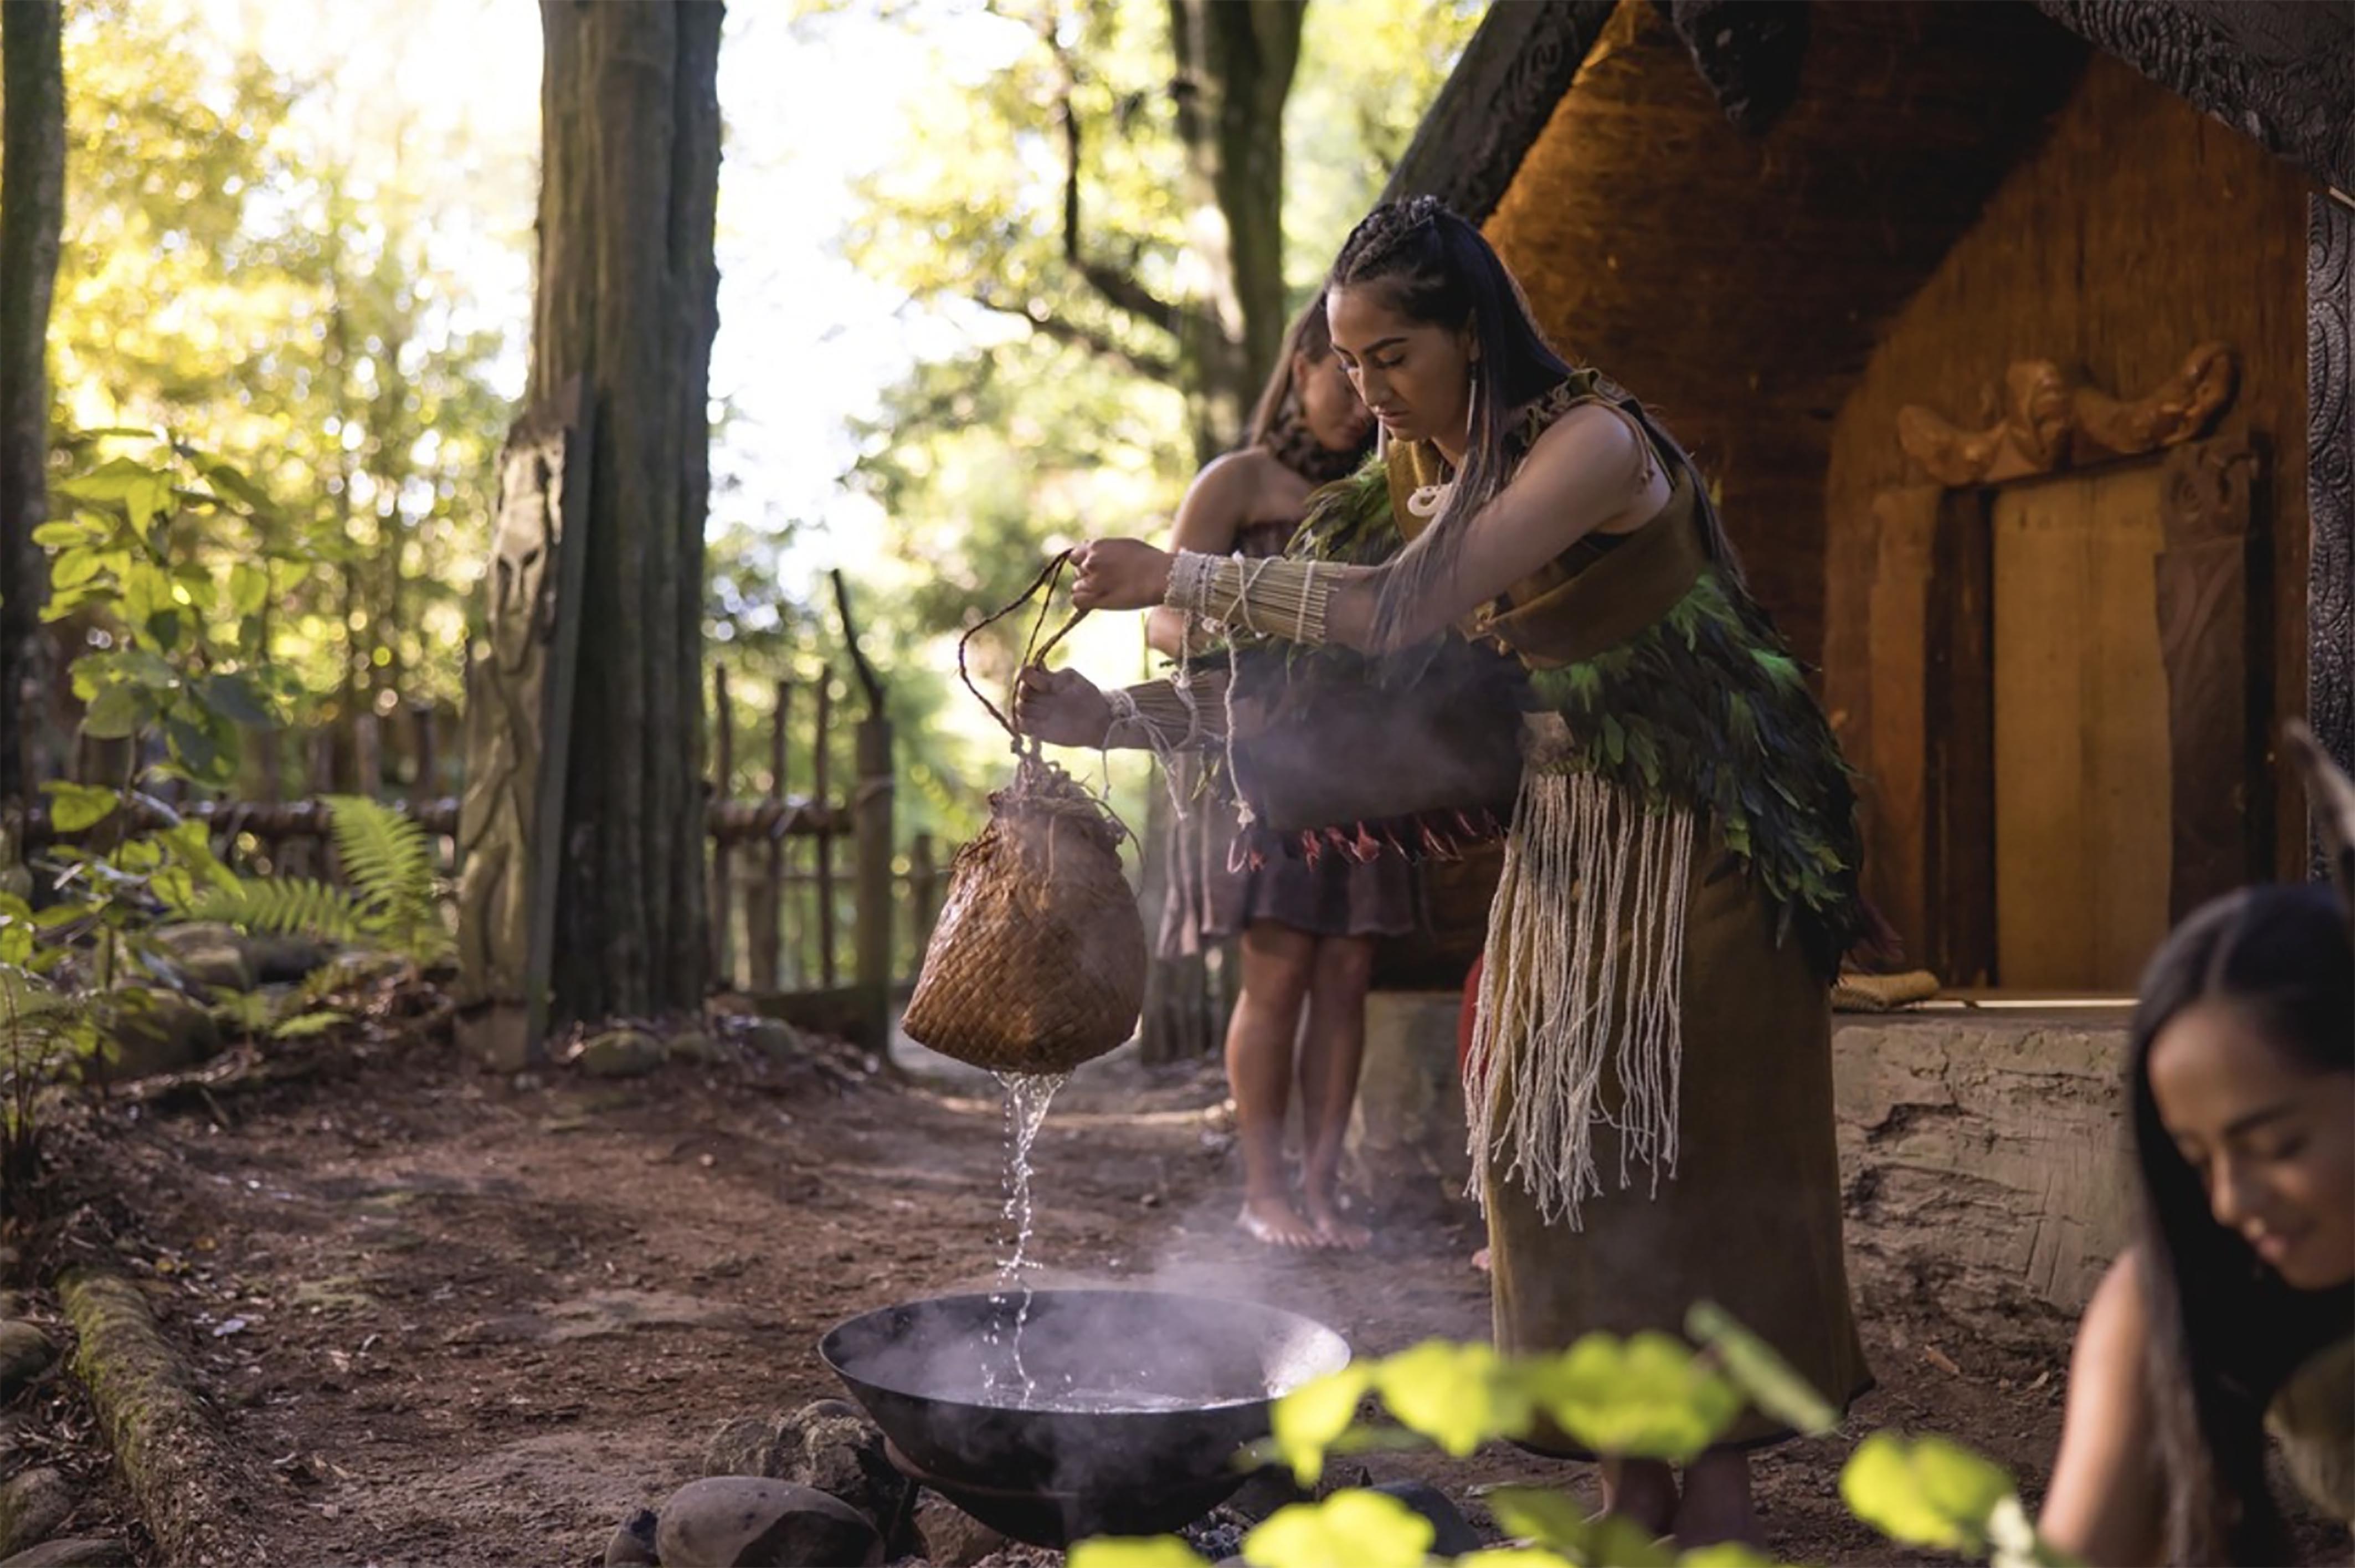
(189, 1490)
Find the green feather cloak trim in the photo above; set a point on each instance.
(1707, 709)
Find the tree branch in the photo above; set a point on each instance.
(1117, 286)
(1150, 365)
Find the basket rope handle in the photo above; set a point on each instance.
(1033, 651)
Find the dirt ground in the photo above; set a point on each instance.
(456, 1318)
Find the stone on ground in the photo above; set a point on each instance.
(33, 1503)
(620, 1053)
(950, 1537)
(747, 1521)
(633, 1545)
(152, 1031)
(828, 1444)
(76, 1552)
(25, 1354)
(1453, 1534)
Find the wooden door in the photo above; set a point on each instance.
(2083, 790)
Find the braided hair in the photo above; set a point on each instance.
(1433, 268)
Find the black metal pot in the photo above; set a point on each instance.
(1123, 1416)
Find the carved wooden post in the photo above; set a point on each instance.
(518, 735)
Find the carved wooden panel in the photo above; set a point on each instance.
(2330, 476)
(1898, 616)
(518, 733)
(2213, 640)
(2276, 73)
(1495, 102)
(1958, 720)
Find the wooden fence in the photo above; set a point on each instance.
(792, 874)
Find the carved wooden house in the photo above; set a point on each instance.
(2017, 339)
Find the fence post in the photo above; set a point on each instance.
(762, 913)
(924, 891)
(871, 808)
(723, 771)
(824, 773)
(422, 788)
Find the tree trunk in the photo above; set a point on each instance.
(1234, 67)
(628, 298)
(32, 213)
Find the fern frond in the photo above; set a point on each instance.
(285, 906)
(386, 856)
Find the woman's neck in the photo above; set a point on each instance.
(1452, 447)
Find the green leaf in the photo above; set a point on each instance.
(233, 484)
(1770, 1381)
(303, 1024)
(66, 533)
(1725, 1554)
(75, 566)
(73, 808)
(1454, 1394)
(1305, 1421)
(115, 714)
(249, 588)
(1646, 1398)
(1348, 1530)
(1924, 1492)
(1513, 1557)
(234, 697)
(1559, 1521)
(1144, 1552)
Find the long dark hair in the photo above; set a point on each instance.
(2225, 1330)
(1433, 267)
(1279, 421)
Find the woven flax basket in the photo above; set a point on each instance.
(1037, 963)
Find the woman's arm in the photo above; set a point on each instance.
(1210, 519)
(1064, 707)
(1590, 471)
(2106, 1502)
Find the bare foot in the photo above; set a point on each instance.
(1480, 1260)
(1275, 1222)
(1334, 1228)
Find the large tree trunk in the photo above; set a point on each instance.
(32, 213)
(1234, 72)
(628, 300)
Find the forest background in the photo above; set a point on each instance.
(308, 248)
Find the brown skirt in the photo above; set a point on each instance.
(1751, 1218)
(1334, 896)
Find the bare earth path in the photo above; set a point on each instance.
(462, 1320)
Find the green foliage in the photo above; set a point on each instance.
(392, 903)
(1647, 1396)
(169, 657)
(285, 291)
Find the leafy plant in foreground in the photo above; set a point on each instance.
(1647, 1396)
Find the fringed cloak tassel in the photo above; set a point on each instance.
(1584, 962)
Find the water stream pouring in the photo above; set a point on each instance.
(1127, 1418)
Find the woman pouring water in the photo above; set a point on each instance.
(1649, 1087)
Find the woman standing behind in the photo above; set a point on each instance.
(2233, 1311)
(1306, 931)
(1650, 1080)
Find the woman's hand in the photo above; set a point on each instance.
(1120, 575)
(1061, 707)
